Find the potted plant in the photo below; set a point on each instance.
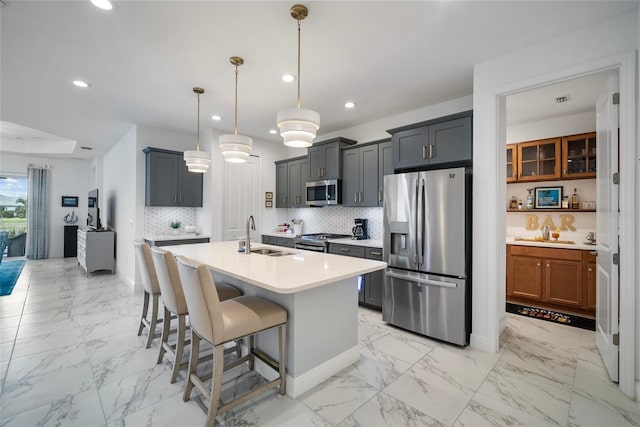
(175, 225)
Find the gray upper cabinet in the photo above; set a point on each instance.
(291, 178)
(446, 140)
(360, 178)
(364, 167)
(298, 172)
(385, 167)
(325, 159)
(168, 182)
(282, 184)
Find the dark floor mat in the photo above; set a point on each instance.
(553, 316)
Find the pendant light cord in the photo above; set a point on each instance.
(299, 63)
(198, 134)
(235, 129)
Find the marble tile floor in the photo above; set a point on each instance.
(70, 356)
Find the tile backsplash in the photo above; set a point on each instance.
(157, 220)
(338, 219)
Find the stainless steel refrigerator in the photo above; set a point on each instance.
(427, 244)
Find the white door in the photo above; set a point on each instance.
(607, 283)
(241, 197)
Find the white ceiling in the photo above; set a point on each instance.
(143, 58)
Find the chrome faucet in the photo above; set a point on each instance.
(251, 224)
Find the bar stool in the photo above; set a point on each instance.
(150, 287)
(175, 304)
(222, 322)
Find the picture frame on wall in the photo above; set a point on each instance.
(69, 201)
(548, 198)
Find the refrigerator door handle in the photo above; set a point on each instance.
(420, 220)
(412, 278)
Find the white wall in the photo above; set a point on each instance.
(68, 178)
(581, 52)
(570, 124)
(118, 201)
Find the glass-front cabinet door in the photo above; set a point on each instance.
(539, 160)
(579, 156)
(512, 163)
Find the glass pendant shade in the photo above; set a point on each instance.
(235, 148)
(298, 127)
(197, 161)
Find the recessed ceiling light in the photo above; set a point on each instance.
(288, 78)
(216, 117)
(349, 104)
(273, 131)
(102, 4)
(81, 83)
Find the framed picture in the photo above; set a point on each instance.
(548, 198)
(268, 203)
(69, 201)
(268, 195)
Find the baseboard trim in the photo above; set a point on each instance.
(306, 381)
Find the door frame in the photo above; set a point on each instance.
(625, 64)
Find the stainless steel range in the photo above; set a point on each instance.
(317, 241)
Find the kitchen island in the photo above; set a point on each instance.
(319, 291)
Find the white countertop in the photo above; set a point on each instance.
(369, 243)
(182, 236)
(284, 274)
(577, 245)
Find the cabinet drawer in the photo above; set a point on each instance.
(539, 252)
(284, 241)
(373, 253)
(267, 240)
(348, 250)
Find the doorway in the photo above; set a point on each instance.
(13, 214)
(496, 96)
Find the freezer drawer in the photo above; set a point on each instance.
(430, 305)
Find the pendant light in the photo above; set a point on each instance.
(235, 148)
(298, 126)
(196, 160)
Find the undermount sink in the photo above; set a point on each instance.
(269, 252)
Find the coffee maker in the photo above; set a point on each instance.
(360, 230)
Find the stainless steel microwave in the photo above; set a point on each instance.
(322, 193)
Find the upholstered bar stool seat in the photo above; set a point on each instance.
(151, 290)
(174, 303)
(222, 322)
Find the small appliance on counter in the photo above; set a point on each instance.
(360, 231)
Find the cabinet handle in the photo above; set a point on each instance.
(424, 152)
(175, 199)
(590, 269)
(355, 197)
(548, 266)
(345, 250)
(380, 196)
(431, 151)
(376, 253)
(360, 197)
(538, 264)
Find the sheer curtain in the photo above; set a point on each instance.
(37, 214)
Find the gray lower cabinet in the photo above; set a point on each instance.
(288, 242)
(370, 292)
(168, 181)
(446, 140)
